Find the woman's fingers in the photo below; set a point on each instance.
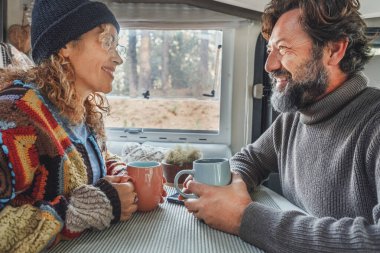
(123, 188)
(111, 179)
(127, 213)
(127, 196)
(128, 205)
(164, 193)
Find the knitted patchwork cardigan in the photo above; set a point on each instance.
(45, 176)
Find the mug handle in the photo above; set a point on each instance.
(185, 195)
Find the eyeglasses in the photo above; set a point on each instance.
(118, 50)
(121, 50)
(110, 43)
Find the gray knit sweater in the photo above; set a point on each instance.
(328, 158)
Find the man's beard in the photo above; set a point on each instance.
(298, 94)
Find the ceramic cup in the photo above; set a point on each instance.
(212, 171)
(148, 183)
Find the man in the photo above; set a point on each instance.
(325, 144)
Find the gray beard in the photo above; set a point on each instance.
(299, 95)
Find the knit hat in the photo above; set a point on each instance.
(57, 22)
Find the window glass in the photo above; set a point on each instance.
(170, 79)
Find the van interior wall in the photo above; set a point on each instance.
(242, 100)
(14, 12)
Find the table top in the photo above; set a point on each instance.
(169, 228)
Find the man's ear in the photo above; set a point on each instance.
(336, 51)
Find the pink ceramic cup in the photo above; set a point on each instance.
(148, 183)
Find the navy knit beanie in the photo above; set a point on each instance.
(57, 22)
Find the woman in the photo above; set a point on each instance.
(56, 177)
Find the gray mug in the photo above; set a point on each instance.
(212, 171)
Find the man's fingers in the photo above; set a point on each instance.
(185, 190)
(192, 205)
(196, 188)
(189, 177)
(198, 215)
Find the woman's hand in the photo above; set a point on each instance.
(163, 191)
(127, 195)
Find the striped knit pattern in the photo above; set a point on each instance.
(42, 171)
(81, 216)
(328, 158)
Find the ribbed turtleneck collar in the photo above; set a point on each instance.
(328, 105)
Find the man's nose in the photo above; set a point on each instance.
(272, 63)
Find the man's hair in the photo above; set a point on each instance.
(327, 21)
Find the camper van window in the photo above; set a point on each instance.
(169, 86)
(170, 79)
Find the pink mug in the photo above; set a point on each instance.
(148, 178)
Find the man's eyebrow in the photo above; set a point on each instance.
(270, 45)
(275, 43)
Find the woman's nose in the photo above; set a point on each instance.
(118, 60)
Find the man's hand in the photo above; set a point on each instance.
(221, 207)
(127, 195)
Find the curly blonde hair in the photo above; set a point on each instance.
(55, 78)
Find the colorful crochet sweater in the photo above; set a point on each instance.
(45, 175)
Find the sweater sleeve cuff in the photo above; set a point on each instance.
(256, 224)
(112, 195)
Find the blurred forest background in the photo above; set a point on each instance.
(168, 63)
(176, 67)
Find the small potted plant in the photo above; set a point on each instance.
(177, 159)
